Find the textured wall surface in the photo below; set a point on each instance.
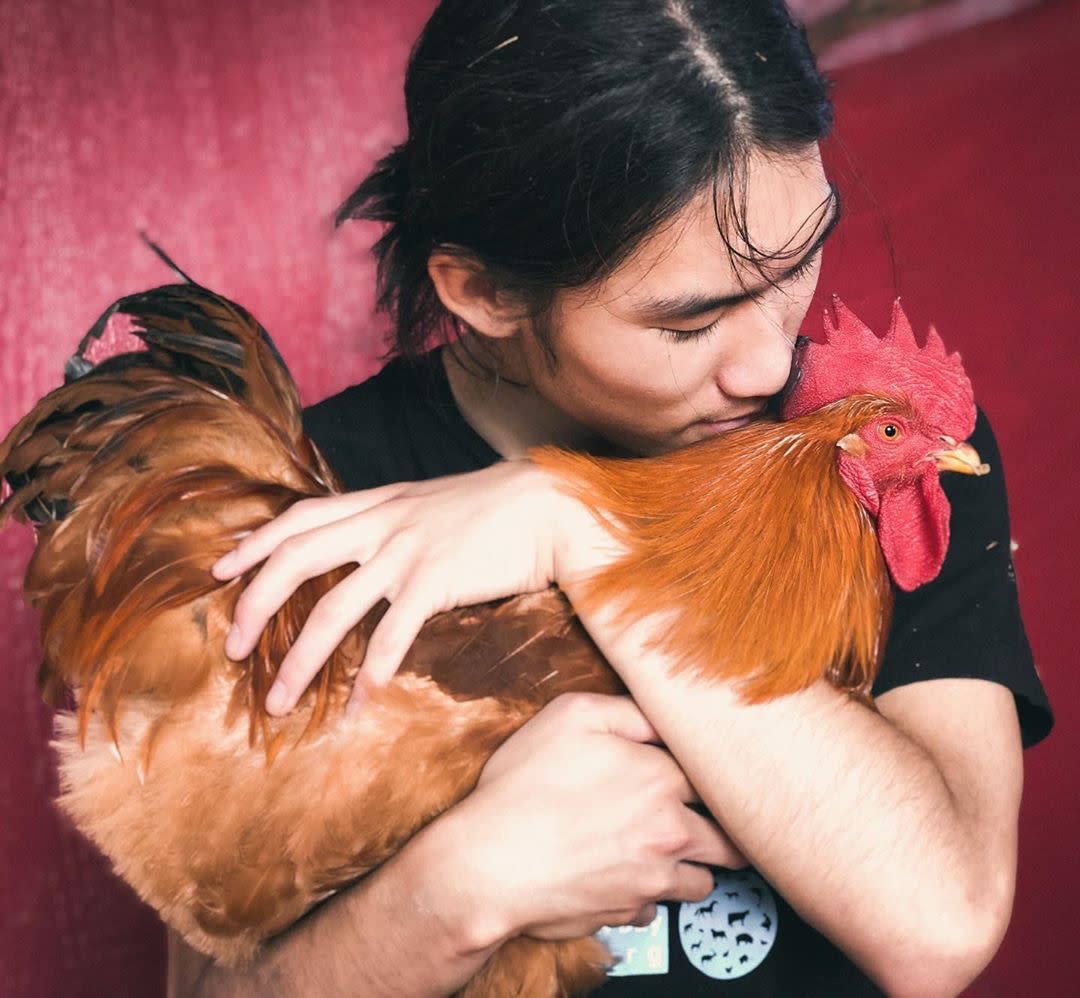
(230, 132)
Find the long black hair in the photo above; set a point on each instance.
(547, 138)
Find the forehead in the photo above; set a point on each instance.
(781, 203)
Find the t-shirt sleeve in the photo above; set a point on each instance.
(966, 623)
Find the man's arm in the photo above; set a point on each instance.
(502, 862)
(361, 942)
(893, 833)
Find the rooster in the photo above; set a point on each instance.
(142, 471)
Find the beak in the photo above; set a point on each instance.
(959, 457)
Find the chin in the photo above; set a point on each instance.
(633, 445)
(620, 442)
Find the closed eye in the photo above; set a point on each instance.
(802, 269)
(793, 275)
(682, 335)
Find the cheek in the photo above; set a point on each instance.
(646, 371)
(606, 390)
(610, 364)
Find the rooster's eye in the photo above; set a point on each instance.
(890, 431)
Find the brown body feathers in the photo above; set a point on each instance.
(232, 824)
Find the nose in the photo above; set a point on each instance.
(756, 359)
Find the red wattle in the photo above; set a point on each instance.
(913, 529)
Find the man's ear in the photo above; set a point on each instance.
(464, 288)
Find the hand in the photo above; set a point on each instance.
(425, 547)
(578, 822)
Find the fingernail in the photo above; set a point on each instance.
(223, 564)
(232, 642)
(277, 700)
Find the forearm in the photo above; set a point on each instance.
(850, 819)
(402, 932)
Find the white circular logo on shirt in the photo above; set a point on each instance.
(731, 932)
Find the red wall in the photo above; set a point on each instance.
(230, 132)
(966, 150)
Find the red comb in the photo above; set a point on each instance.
(853, 361)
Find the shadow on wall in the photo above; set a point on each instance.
(848, 31)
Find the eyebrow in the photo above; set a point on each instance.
(691, 306)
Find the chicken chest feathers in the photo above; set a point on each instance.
(759, 545)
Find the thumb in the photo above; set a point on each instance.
(619, 715)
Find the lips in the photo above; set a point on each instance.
(730, 423)
(722, 425)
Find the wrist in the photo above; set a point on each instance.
(449, 875)
(580, 543)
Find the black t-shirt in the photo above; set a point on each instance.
(744, 939)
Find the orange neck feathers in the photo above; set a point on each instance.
(765, 563)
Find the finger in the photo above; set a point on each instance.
(607, 714)
(710, 844)
(624, 718)
(692, 883)
(327, 624)
(299, 558)
(261, 542)
(587, 925)
(390, 642)
(662, 765)
(645, 917)
(308, 514)
(687, 792)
